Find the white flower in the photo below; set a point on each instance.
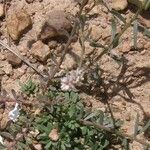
(73, 78)
(1, 140)
(14, 114)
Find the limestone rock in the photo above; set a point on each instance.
(1, 10)
(17, 23)
(40, 51)
(13, 59)
(119, 4)
(55, 24)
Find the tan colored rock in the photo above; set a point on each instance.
(119, 4)
(54, 136)
(125, 47)
(13, 59)
(55, 24)
(69, 62)
(1, 72)
(96, 33)
(17, 23)
(6, 67)
(37, 146)
(40, 51)
(1, 10)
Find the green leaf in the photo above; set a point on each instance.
(118, 15)
(147, 32)
(74, 97)
(91, 115)
(125, 144)
(2, 147)
(145, 127)
(136, 125)
(113, 28)
(147, 5)
(135, 33)
(7, 135)
(47, 147)
(72, 110)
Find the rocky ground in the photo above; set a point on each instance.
(27, 26)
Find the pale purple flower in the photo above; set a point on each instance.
(14, 114)
(73, 78)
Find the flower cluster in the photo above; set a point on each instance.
(14, 114)
(72, 79)
(1, 140)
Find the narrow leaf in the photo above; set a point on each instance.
(90, 116)
(135, 33)
(147, 32)
(118, 15)
(136, 125)
(145, 127)
(113, 28)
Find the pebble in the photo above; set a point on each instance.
(40, 51)
(53, 135)
(1, 10)
(96, 33)
(6, 67)
(1, 72)
(128, 117)
(119, 5)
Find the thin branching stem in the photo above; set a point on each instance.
(124, 135)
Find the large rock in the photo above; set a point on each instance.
(17, 23)
(119, 4)
(56, 22)
(40, 51)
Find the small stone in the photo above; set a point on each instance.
(126, 47)
(96, 33)
(1, 10)
(55, 25)
(147, 45)
(54, 136)
(13, 59)
(119, 4)
(29, 1)
(6, 67)
(128, 117)
(52, 44)
(71, 64)
(37, 146)
(40, 51)
(17, 23)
